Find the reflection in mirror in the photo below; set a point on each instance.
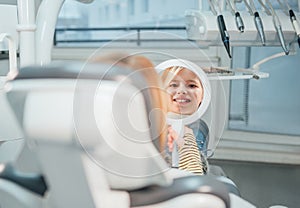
(185, 90)
(179, 70)
(188, 94)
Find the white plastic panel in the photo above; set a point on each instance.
(8, 23)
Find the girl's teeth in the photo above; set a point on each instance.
(181, 101)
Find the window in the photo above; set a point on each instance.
(118, 18)
(131, 6)
(270, 105)
(145, 6)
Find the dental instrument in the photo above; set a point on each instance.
(278, 28)
(223, 31)
(294, 21)
(238, 19)
(258, 22)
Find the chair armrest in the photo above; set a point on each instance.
(180, 186)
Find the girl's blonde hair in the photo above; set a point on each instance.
(169, 74)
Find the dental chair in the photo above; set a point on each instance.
(92, 129)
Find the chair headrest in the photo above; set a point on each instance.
(106, 109)
(74, 76)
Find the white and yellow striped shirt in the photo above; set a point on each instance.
(190, 159)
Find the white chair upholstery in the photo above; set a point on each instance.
(95, 144)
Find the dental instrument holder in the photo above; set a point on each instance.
(202, 28)
(178, 124)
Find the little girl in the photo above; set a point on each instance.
(185, 92)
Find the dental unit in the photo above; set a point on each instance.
(202, 28)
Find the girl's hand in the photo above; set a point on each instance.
(173, 136)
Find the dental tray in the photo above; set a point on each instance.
(210, 71)
(223, 73)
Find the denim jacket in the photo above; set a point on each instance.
(201, 132)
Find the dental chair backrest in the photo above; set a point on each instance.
(106, 114)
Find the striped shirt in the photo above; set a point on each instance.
(190, 159)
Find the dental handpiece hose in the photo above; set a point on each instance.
(224, 33)
(295, 24)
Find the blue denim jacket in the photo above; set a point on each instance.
(200, 130)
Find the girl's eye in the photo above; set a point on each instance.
(173, 85)
(192, 86)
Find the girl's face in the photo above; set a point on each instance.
(186, 93)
